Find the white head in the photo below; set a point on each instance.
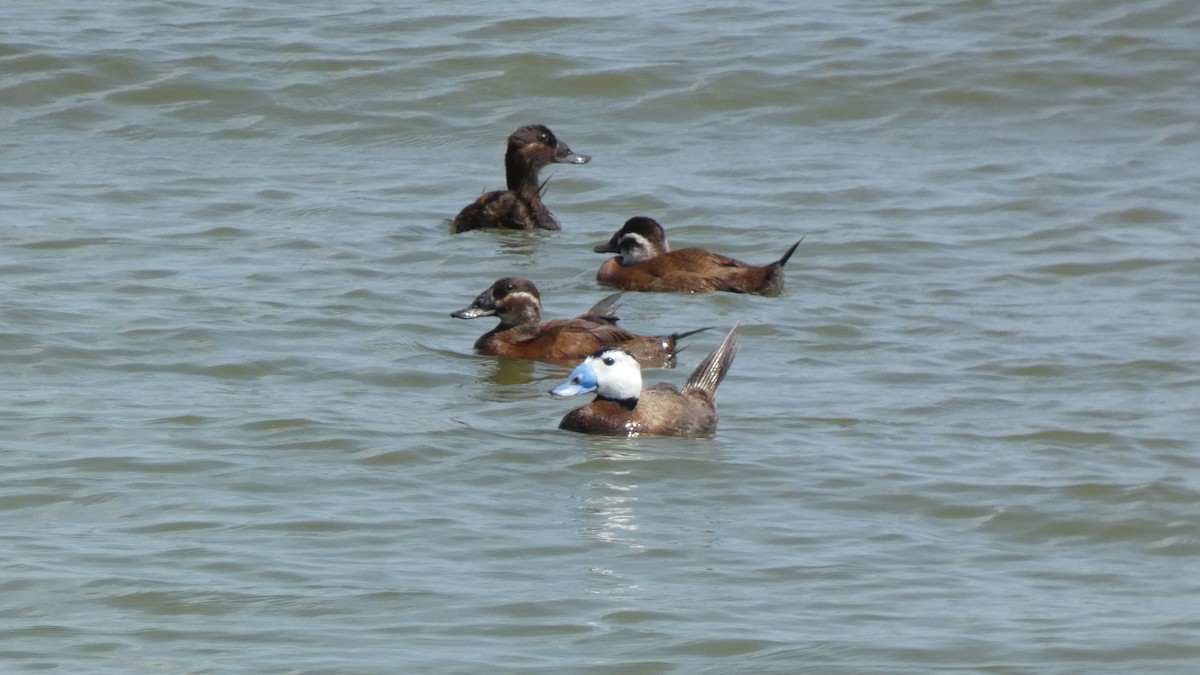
(611, 373)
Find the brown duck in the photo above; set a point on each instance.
(647, 263)
(521, 333)
(530, 148)
(623, 408)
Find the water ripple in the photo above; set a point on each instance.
(964, 435)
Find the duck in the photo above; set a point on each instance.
(645, 262)
(530, 148)
(622, 407)
(521, 333)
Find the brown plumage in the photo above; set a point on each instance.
(530, 148)
(623, 408)
(521, 333)
(647, 263)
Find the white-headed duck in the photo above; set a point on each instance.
(623, 408)
(521, 333)
(647, 263)
(530, 148)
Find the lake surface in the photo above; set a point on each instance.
(241, 433)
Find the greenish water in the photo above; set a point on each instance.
(241, 433)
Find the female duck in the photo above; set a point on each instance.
(521, 333)
(647, 263)
(530, 148)
(623, 408)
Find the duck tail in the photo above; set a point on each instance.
(680, 336)
(790, 251)
(672, 340)
(604, 311)
(708, 375)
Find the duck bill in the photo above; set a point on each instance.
(481, 306)
(581, 381)
(610, 247)
(567, 389)
(565, 156)
(472, 313)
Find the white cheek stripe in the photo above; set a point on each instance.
(635, 247)
(522, 294)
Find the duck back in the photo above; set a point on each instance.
(660, 411)
(569, 340)
(506, 209)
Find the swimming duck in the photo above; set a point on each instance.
(520, 206)
(522, 335)
(647, 263)
(623, 408)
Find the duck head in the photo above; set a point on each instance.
(515, 301)
(532, 148)
(639, 239)
(612, 373)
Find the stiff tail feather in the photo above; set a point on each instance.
(790, 251)
(708, 375)
(604, 311)
(680, 336)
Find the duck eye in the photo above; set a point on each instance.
(545, 138)
(608, 361)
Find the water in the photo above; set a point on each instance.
(241, 432)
